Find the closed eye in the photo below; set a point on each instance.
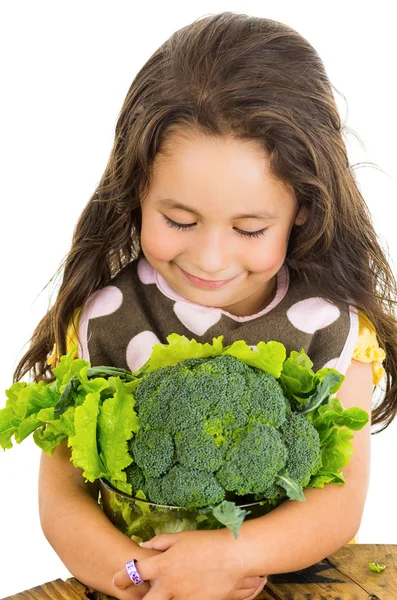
(186, 226)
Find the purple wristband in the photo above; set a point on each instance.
(133, 573)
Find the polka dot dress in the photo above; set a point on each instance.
(120, 323)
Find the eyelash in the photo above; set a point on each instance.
(184, 227)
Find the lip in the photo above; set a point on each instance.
(204, 283)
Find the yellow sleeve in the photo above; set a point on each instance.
(367, 348)
(71, 339)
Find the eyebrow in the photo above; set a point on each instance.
(171, 203)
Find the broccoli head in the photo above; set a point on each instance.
(212, 427)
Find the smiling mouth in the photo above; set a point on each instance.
(206, 283)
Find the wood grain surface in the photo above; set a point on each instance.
(345, 575)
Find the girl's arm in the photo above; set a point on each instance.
(77, 528)
(298, 534)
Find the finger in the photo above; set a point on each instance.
(148, 568)
(157, 593)
(249, 583)
(122, 580)
(241, 594)
(132, 592)
(246, 594)
(258, 590)
(159, 542)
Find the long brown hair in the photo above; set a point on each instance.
(255, 79)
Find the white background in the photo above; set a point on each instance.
(65, 70)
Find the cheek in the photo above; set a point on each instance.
(268, 256)
(159, 241)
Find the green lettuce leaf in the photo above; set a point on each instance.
(297, 377)
(180, 348)
(333, 413)
(322, 477)
(68, 366)
(19, 418)
(322, 373)
(268, 356)
(322, 392)
(9, 424)
(117, 422)
(55, 430)
(84, 442)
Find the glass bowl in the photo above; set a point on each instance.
(141, 520)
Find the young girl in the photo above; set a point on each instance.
(228, 207)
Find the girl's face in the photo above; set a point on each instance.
(215, 223)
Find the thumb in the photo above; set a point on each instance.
(160, 542)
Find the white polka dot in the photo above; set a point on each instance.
(101, 303)
(146, 273)
(198, 319)
(105, 301)
(312, 314)
(140, 348)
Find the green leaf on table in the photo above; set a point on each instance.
(376, 567)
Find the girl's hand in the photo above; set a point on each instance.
(249, 587)
(128, 590)
(193, 565)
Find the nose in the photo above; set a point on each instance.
(211, 255)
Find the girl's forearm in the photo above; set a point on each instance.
(296, 535)
(86, 541)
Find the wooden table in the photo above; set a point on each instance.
(344, 575)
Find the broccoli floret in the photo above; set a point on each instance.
(136, 478)
(303, 444)
(253, 460)
(199, 450)
(265, 398)
(153, 451)
(185, 487)
(152, 399)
